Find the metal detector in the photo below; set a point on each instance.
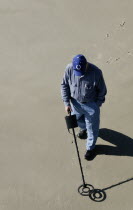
(84, 189)
(71, 123)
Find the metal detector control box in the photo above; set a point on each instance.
(71, 121)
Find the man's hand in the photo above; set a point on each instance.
(68, 109)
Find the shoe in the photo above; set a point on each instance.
(90, 154)
(82, 134)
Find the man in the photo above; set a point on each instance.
(83, 91)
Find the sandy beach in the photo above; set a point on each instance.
(38, 162)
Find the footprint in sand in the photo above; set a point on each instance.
(123, 23)
(130, 53)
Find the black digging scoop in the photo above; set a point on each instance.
(84, 189)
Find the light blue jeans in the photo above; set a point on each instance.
(88, 117)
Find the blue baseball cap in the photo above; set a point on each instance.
(79, 64)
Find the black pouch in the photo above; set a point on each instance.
(71, 121)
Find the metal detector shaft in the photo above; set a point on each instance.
(79, 157)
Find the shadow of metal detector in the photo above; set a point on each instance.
(84, 189)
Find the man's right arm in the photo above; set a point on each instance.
(65, 89)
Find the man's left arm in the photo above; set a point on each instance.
(101, 90)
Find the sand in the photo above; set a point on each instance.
(38, 162)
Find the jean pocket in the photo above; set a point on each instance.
(95, 104)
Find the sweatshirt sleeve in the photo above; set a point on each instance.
(65, 89)
(101, 90)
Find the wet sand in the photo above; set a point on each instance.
(38, 163)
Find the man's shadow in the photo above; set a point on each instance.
(123, 145)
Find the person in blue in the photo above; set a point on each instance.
(83, 91)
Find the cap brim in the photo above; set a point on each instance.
(78, 73)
